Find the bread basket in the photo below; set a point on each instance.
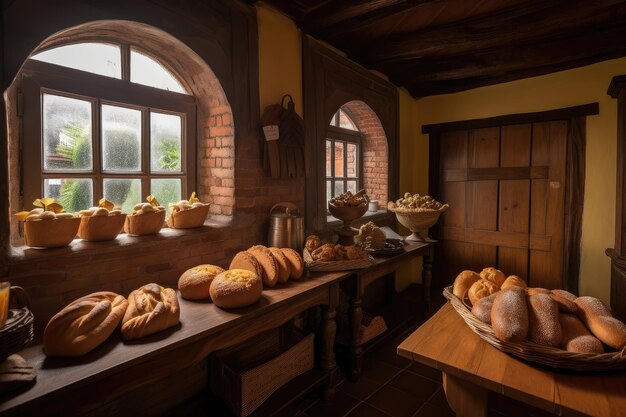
(101, 228)
(328, 266)
(188, 219)
(145, 224)
(17, 333)
(416, 220)
(50, 233)
(532, 352)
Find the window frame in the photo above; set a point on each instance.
(346, 136)
(39, 77)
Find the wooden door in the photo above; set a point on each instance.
(506, 190)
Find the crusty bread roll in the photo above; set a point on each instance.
(236, 288)
(509, 315)
(151, 309)
(576, 337)
(494, 275)
(463, 282)
(268, 263)
(194, 283)
(543, 321)
(565, 301)
(482, 309)
(284, 268)
(246, 260)
(601, 322)
(537, 290)
(513, 280)
(83, 324)
(481, 288)
(295, 262)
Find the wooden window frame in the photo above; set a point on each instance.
(40, 77)
(345, 136)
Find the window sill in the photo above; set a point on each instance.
(124, 243)
(381, 216)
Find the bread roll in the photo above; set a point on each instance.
(295, 262)
(481, 288)
(246, 260)
(565, 301)
(284, 268)
(601, 322)
(494, 275)
(151, 309)
(509, 315)
(268, 263)
(463, 282)
(194, 283)
(482, 309)
(537, 290)
(236, 288)
(543, 321)
(576, 337)
(513, 280)
(83, 324)
(312, 242)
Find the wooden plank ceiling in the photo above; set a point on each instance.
(442, 46)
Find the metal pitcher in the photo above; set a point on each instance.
(286, 227)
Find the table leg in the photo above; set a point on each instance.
(465, 399)
(327, 356)
(356, 352)
(427, 276)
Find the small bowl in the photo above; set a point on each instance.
(101, 228)
(347, 214)
(145, 224)
(188, 219)
(50, 233)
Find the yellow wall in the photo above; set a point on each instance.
(558, 90)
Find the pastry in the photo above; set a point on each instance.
(494, 275)
(576, 337)
(194, 283)
(371, 236)
(481, 288)
(325, 252)
(463, 282)
(312, 242)
(543, 321)
(482, 309)
(284, 268)
(295, 262)
(513, 280)
(268, 263)
(601, 322)
(236, 288)
(83, 324)
(356, 252)
(246, 260)
(509, 315)
(151, 309)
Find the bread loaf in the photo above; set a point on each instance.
(236, 288)
(83, 324)
(481, 288)
(565, 301)
(295, 262)
(195, 282)
(494, 275)
(537, 290)
(601, 322)
(463, 282)
(513, 280)
(482, 309)
(543, 321)
(151, 309)
(268, 263)
(576, 337)
(509, 315)
(246, 260)
(284, 269)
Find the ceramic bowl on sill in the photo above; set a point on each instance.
(101, 228)
(50, 233)
(188, 219)
(145, 223)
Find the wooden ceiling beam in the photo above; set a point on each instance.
(533, 22)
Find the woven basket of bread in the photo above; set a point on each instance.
(17, 333)
(329, 266)
(532, 352)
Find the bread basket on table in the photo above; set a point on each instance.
(17, 333)
(329, 266)
(532, 352)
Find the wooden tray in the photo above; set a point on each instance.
(532, 352)
(328, 266)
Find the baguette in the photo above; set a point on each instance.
(509, 315)
(543, 321)
(576, 337)
(601, 322)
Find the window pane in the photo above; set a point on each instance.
(329, 191)
(66, 133)
(338, 187)
(165, 137)
(148, 71)
(339, 171)
(351, 160)
(123, 192)
(333, 121)
(73, 194)
(166, 190)
(121, 138)
(351, 186)
(346, 122)
(328, 158)
(98, 58)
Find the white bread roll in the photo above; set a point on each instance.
(513, 280)
(195, 282)
(576, 337)
(601, 322)
(84, 324)
(543, 321)
(236, 288)
(481, 288)
(494, 275)
(482, 309)
(463, 282)
(509, 315)
(151, 309)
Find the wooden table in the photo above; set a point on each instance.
(471, 368)
(75, 386)
(358, 283)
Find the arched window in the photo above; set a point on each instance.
(343, 155)
(106, 120)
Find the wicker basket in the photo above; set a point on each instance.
(532, 352)
(416, 220)
(328, 266)
(50, 233)
(188, 219)
(17, 333)
(101, 228)
(145, 224)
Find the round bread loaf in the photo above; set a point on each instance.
(576, 337)
(236, 288)
(295, 262)
(543, 321)
(509, 315)
(268, 263)
(284, 269)
(83, 324)
(565, 301)
(482, 309)
(194, 283)
(463, 282)
(601, 322)
(481, 288)
(246, 260)
(513, 280)
(312, 242)
(494, 275)
(151, 308)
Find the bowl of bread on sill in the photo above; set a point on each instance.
(188, 214)
(101, 223)
(416, 213)
(48, 225)
(146, 218)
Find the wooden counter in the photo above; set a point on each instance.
(471, 367)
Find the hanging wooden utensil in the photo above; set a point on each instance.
(291, 140)
(271, 131)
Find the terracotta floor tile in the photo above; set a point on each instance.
(429, 410)
(338, 406)
(426, 371)
(416, 385)
(361, 389)
(366, 410)
(379, 371)
(439, 399)
(395, 402)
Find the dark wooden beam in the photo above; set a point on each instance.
(530, 23)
